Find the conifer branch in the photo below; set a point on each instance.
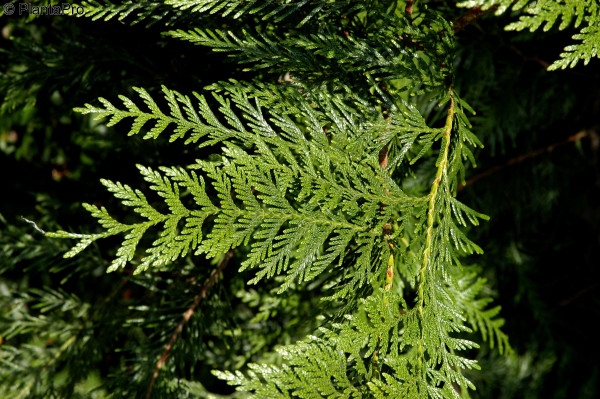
(440, 174)
(186, 317)
(302, 176)
(537, 60)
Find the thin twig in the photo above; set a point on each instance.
(470, 16)
(521, 158)
(186, 317)
(35, 226)
(566, 302)
(545, 64)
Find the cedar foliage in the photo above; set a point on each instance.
(328, 169)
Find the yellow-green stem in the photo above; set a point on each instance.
(441, 172)
(389, 275)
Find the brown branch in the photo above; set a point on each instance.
(470, 16)
(383, 157)
(409, 7)
(537, 60)
(591, 287)
(524, 157)
(186, 317)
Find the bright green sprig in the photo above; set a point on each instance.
(341, 197)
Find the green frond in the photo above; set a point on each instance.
(386, 53)
(548, 13)
(174, 241)
(267, 9)
(259, 208)
(586, 50)
(134, 12)
(313, 370)
(480, 317)
(154, 115)
(384, 328)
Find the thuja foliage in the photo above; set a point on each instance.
(332, 168)
(307, 177)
